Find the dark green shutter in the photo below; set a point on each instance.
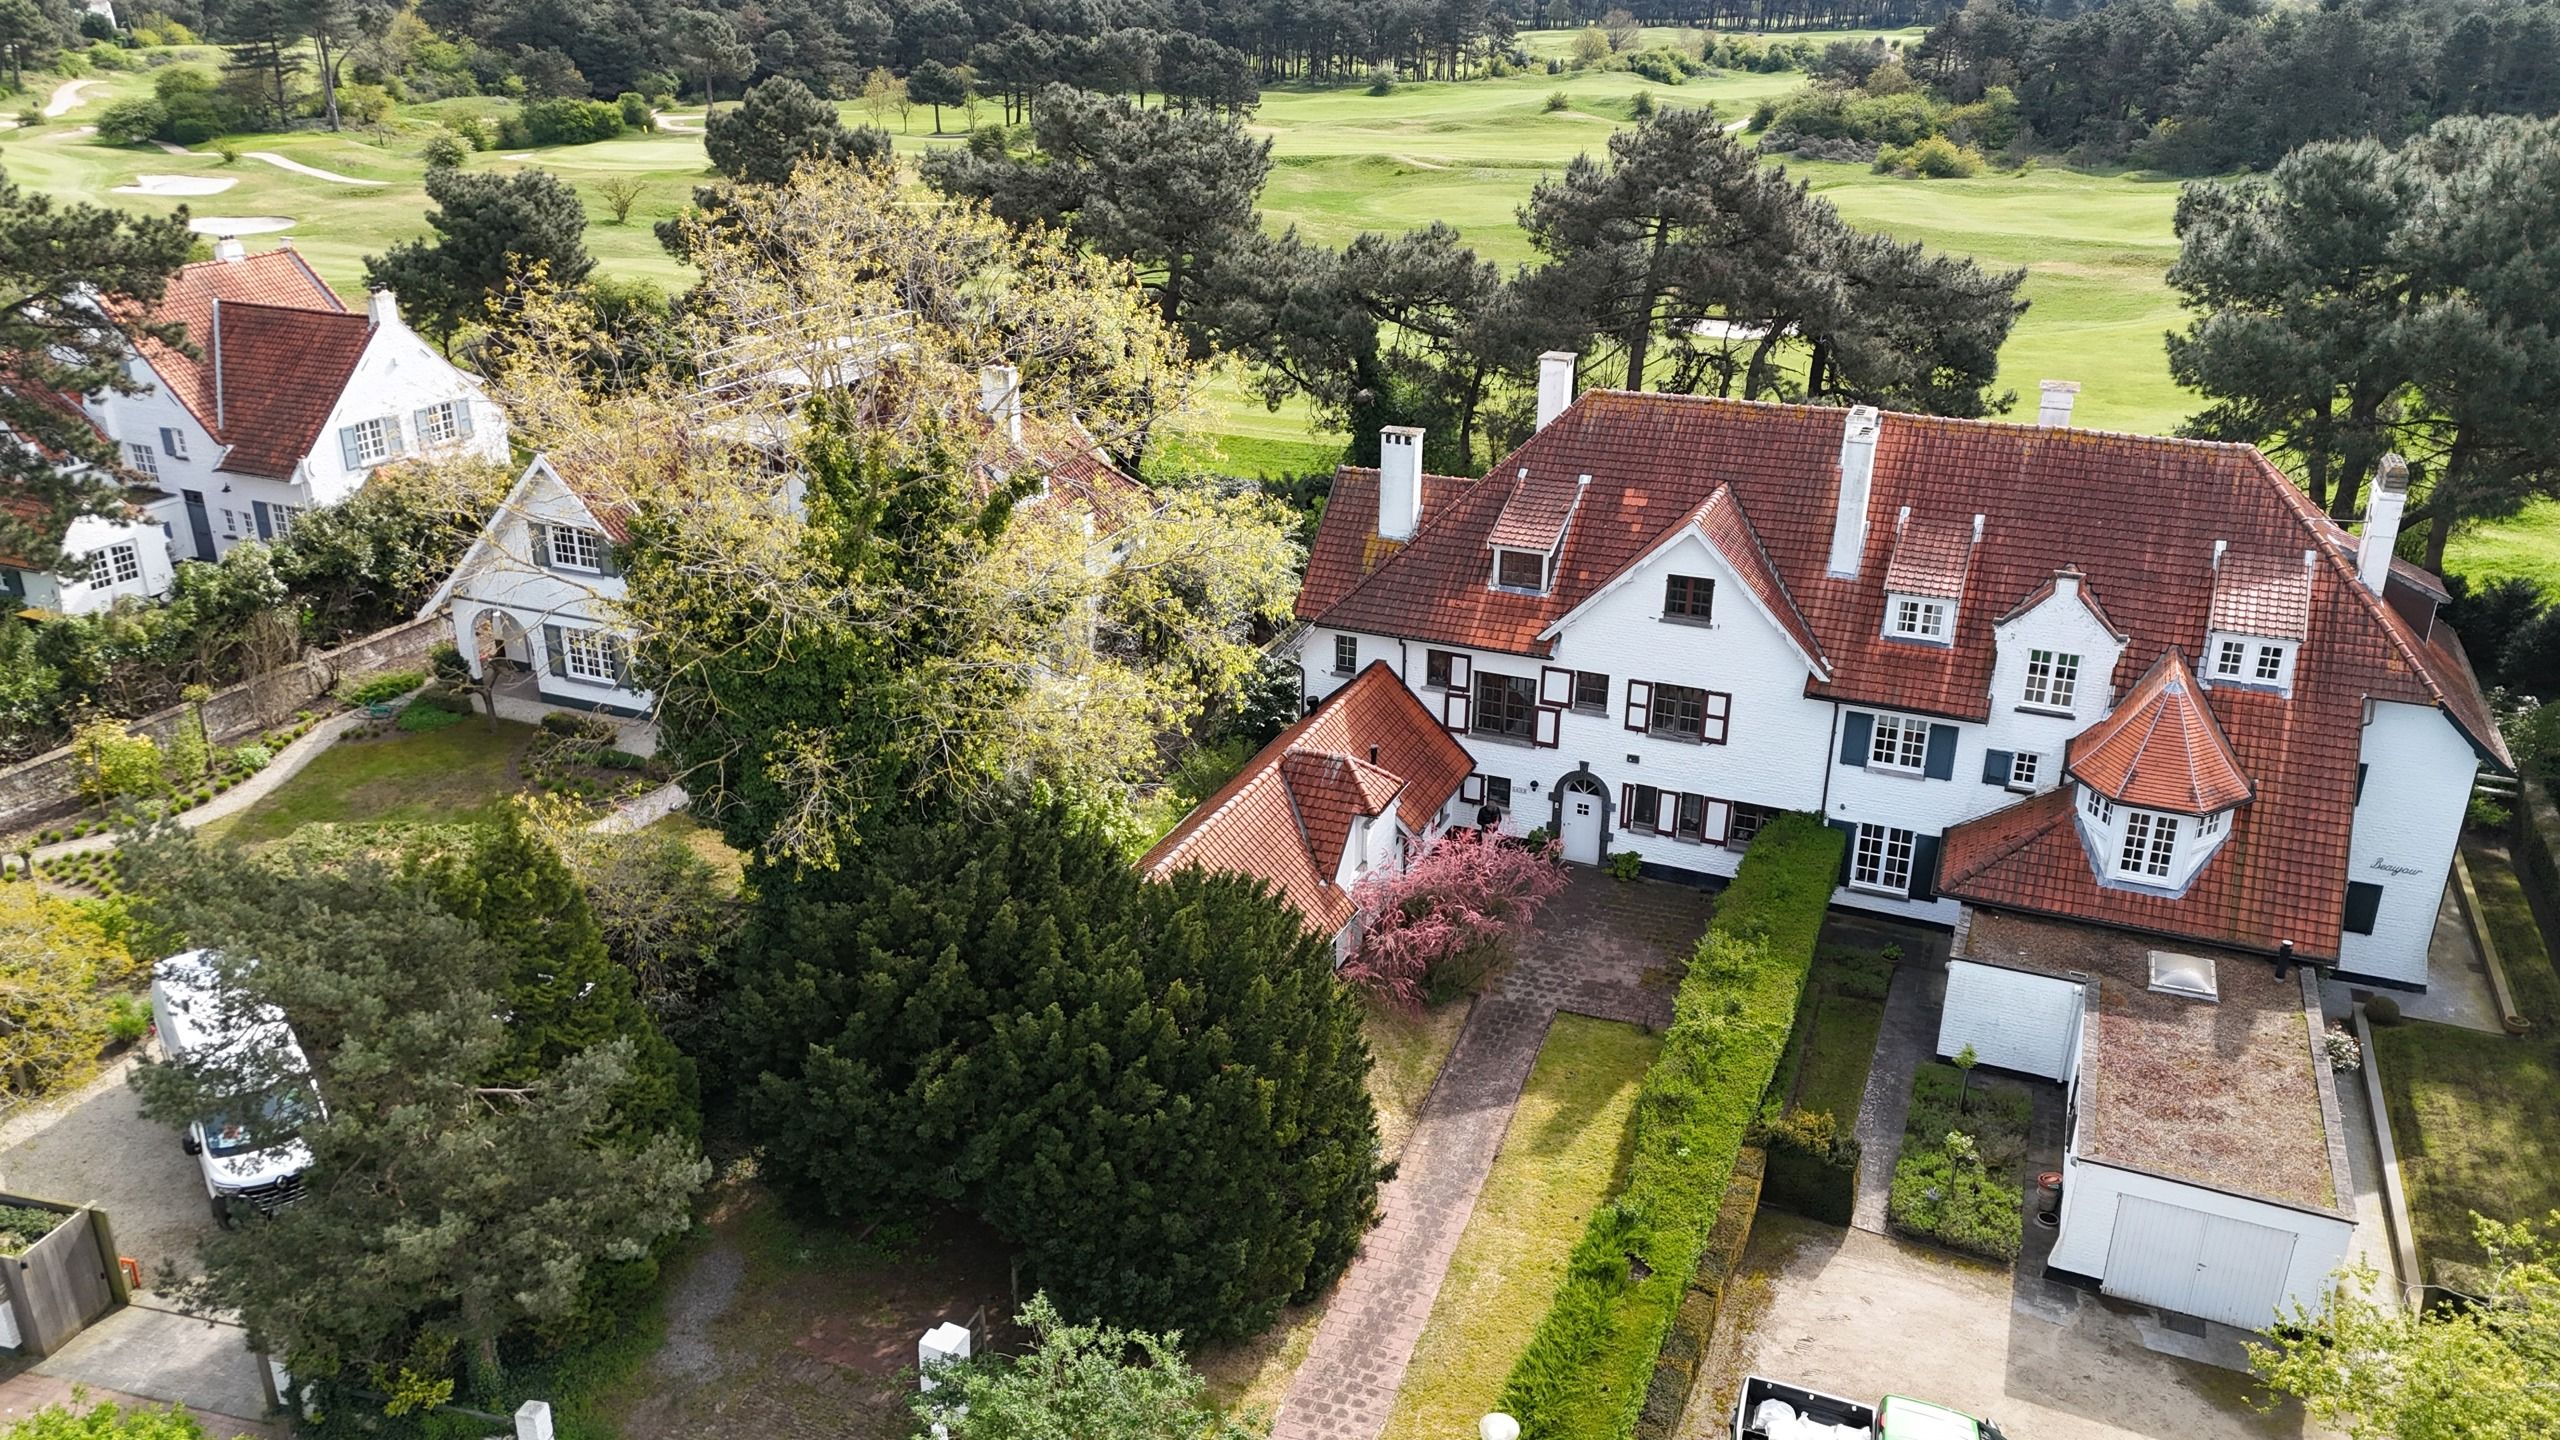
(1924, 867)
(2364, 903)
(266, 526)
(551, 649)
(1996, 765)
(1942, 753)
(1848, 844)
(1857, 736)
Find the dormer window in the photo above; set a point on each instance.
(2150, 846)
(1524, 570)
(1914, 617)
(2250, 661)
(1689, 597)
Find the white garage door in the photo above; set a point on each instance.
(2013, 1020)
(2197, 1264)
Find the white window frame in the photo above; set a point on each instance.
(144, 459)
(1502, 553)
(574, 548)
(230, 523)
(2024, 768)
(590, 655)
(438, 425)
(2149, 853)
(372, 440)
(2209, 826)
(1880, 859)
(115, 564)
(1917, 618)
(2228, 659)
(1898, 745)
(2053, 678)
(2098, 807)
(2269, 667)
(1346, 654)
(280, 518)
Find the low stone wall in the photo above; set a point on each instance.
(36, 790)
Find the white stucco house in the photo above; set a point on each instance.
(105, 559)
(2056, 687)
(290, 401)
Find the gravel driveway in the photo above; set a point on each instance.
(93, 1147)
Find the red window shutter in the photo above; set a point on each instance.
(1550, 726)
(1453, 710)
(1718, 714)
(1555, 687)
(1639, 703)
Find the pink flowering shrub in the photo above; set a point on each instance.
(1445, 919)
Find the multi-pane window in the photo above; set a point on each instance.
(145, 463)
(1346, 654)
(2270, 664)
(1916, 619)
(1679, 710)
(437, 425)
(1689, 597)
(231, 524)
(1899, 744)
(1497, 792)
(2150, 843)
(369, 441)
(174, 441)
(1507, 706)
(2228, 659)
(1590, 690)
(280, 518)
(2052, 676)
(591, 655)
(2023, 766)
(1692, 816)
(1519, 570)
(576, 549)
(1747, 820)
(2099, 807)
(1644, 809)
(1882, 860)
(115, 565)
(2210, 825)
(1437, 666)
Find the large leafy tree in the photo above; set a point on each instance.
(57, 967)
(55, 342)
(1171, 191)
(489, 230)
(1155, 1089)
(2437, 1373)
(456, 1197)
(2360, 300)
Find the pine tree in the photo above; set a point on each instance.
(779, 124)
(489, 229)
(1154, 1089)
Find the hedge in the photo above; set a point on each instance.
(1586, 1370)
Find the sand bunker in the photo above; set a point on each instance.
(176, 185)
(240, 224)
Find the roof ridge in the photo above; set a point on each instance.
(1916, 416)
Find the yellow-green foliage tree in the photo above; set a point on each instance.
(112, 763)
(58, 963)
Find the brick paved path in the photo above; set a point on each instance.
(1604, 949)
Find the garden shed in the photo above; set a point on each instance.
(2204, 1163)
(58, 1269)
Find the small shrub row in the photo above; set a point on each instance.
(1585, 1373)
(1955, 1181)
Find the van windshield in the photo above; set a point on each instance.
(276, 1120)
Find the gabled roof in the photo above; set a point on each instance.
(1720, 523)
(2053, 582)
(2261, 594)
(2160, 748)
(274, 348)
(1285, 817)
(1930, 557)
(1348, 546)
(1535, 514)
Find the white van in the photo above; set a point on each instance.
(254, 1159)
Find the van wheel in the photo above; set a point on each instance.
(222, 1211)
(188, 1143)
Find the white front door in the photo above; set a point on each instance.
(1581, 827)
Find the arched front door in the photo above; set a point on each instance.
(1585, 817)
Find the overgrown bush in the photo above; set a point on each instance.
(445, 150)
(1586, 1370)
(567, 121)
(1558, 100)
(383, 685)
(635, 109)
(132, 120)
(250, 759)
(1955, 1180)
(112, 763)
(1935, 158)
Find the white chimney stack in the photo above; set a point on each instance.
(383, 309)
(1399, 481)
(2382, 522)
(533, 1420)
(2053, 408)
(229, 250)
(1000, 396)
(1555, 385)
(1857, 477)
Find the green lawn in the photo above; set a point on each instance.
(461, 773)
(1833, 1073)
(2472, 1112)
(1560, 1159)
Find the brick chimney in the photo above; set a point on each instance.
(2382, 522)
(1399, 481)
(1555, 385)
(2054, 401)
(1857, 477)
(1000, 396)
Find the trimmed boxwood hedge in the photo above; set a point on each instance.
(1586, 1370)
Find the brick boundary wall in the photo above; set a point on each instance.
(33, 791)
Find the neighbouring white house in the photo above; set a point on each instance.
(104, 560)
(2153, 737)
(1361, 784)
(290, 401)
(537, 596)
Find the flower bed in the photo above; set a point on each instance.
(1956, 1183)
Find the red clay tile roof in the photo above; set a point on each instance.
(2160, 749)
(1284, 818)
(279, 371)
(1930, 557)
(1535, 513)
(2044, 592)
(277, 278)
(1347, 546)
(1079, 471)
(2051, 497)
(2261, 594)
